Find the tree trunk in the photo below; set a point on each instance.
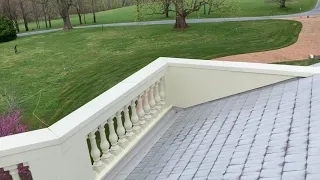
(16, 24)
(25, 21)
(84, 18)
(108, 5)
(38, 23)
(45, 20)
(204, 8)
(138, 18)
(49, 18)
(79, 15)
(210, 8)
(180, 15)
(283, 4)
(35, 13)
(195, 3)
(45, 15)
(66, 18)
(180, 22)
(166, 8)
(93, 12)
(94, 18)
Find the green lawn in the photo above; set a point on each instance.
(245, 8)
(54, 74)
(306, 62)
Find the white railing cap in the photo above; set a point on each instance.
(28, 140)
(288, 70)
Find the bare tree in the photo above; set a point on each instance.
(22, 4)
(45, 7)
(224, 6)
(282, 3)
(166, 7)
(138, 10)
(153, 7)
(53, 10)
(108, 4)
(93, 11)
(183, 8)
(64, 6)
(79, 7)
(36, 12)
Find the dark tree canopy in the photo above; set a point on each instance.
(7, 30)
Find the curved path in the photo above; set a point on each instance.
(315, 11)
(308, 43)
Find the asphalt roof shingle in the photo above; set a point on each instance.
(267, 133)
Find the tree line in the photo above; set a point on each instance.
(47, 10)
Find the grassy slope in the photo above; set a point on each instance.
(54, 74)
(247, 8)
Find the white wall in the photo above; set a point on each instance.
(188, 87)
(191, 82)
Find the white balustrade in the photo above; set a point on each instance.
(95, 152)
(152, 102)
(141, 113)
(135, 118)
(123, 142)
(128, 124)
(162, 93)
(13, 171)
(106, 157)
(157, 97)
(113, 138)
(146, 106)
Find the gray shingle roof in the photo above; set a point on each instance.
(267, 133)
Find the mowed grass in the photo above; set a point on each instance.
(245, 8)
(54, 74)
(306, 62)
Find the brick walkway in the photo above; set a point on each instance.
(308, 43)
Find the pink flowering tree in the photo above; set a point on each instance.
(9, 125)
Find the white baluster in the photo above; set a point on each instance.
(128, 124)
(106, 157)
(135, 118)
(162, 93)
(95, 152)
(152, 102)
(142, 119)
(123, 142)
(13, 171)
(157, 97)
(146, 106)
(113, 138)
